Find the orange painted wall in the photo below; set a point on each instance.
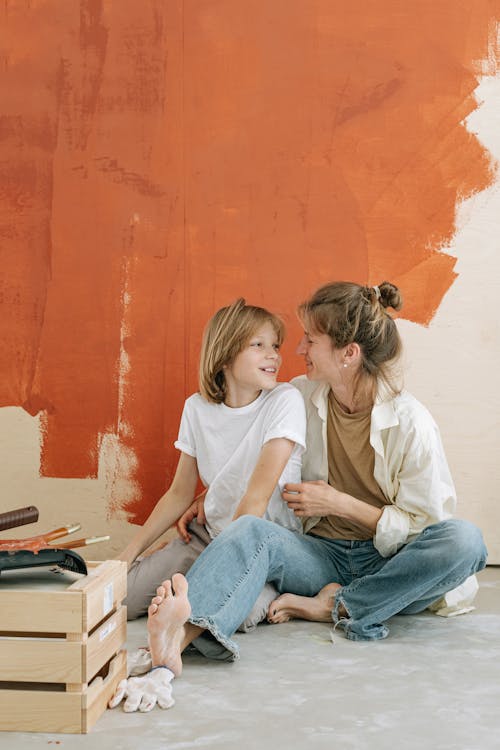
(159, 159)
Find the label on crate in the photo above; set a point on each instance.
(107, 599)
(106, 630)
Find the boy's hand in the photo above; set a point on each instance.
(195, 510)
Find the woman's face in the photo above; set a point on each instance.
(322, 361)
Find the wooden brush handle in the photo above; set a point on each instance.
(18, 517)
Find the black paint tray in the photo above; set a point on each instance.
(62, 558)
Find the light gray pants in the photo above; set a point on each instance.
(147, 573)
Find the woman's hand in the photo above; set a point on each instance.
(321, 499)
(314, 499)
(195, 510)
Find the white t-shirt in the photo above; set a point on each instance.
(226, 443)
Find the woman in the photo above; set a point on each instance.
(376, 499)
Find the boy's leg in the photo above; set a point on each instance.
(147, 573)
(436, 561)
(225, 582)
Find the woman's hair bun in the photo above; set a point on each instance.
(390, 296)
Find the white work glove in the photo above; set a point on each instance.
(143, 693)
(138, 662)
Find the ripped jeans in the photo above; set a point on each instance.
(227, 578)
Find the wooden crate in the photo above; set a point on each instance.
(61, 647)
(26, 708)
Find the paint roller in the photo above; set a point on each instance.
(40, 550)
(18, 517)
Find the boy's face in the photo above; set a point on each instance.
(257, 366)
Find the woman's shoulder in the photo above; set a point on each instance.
(305, 386)
(314, 392)
(413, 414)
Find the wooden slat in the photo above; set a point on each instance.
(42, 611)
(105, 642)
(104, 592)
(40, 711)
(30, 660)
(98, 695)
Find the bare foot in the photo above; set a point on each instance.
(316, 608)
(167, 615)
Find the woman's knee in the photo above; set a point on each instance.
(466, 542)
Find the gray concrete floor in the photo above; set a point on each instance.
(434, 683)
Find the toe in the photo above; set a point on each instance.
(167, 586)
(271, 611)
(180, 584)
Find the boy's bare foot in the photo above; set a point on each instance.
(316, 608)
(167, 615)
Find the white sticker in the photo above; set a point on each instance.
(107, 599)
(106, 630)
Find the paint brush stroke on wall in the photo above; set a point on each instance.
(160, 159)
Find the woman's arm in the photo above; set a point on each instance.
(167, 510)
(269, 467)
(321, 499)
(424, 494)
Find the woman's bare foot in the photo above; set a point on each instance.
(167, 615)
(316, 608)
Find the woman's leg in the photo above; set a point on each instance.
(149, 572)
(317, 608)
(436, 561)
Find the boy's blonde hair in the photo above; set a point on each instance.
(225, 335)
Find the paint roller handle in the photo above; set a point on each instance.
(18, 517)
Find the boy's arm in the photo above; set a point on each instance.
(168, 509)
(268, 469)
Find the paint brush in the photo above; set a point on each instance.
(63, 531)
(39, 541)
(81, 542)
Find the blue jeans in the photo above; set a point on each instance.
(227, 578)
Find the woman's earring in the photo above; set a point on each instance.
(345, 364)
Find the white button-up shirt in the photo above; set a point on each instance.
(410, 466)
